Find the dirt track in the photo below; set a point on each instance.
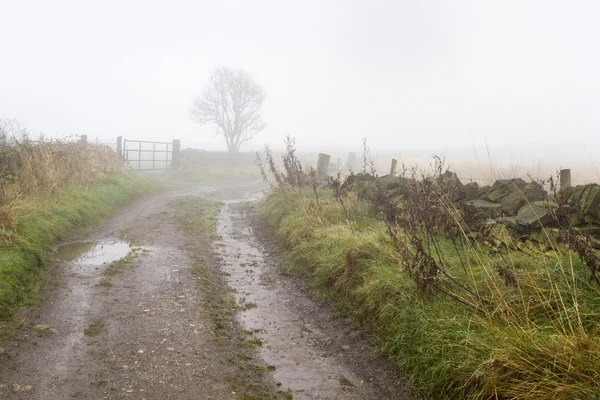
(148, 330)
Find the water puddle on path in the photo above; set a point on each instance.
(289, 344)
(76, 298)
(93, 253)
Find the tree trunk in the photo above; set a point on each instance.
(232, 148)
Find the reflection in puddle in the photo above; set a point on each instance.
(93, 252)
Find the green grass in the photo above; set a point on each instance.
(535, 340)
(94, 328)
(197, 215)
(105, 283)
(117, 267)
(50, 219)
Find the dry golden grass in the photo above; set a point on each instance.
(37, 168)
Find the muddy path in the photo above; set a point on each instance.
(141, 308)
(317, 354)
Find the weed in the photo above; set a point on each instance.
(105, 283)
(255, 341)
(117, 267)
(94, 328)
(248, 306)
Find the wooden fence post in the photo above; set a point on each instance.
(393, 167)
(176, 155)
(322, 165)
(565, 178)
(120, 147)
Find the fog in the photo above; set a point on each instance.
(518, 80)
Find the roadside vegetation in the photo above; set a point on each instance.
(463, 314)
(48, 188)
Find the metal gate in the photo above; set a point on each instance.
(143, 155)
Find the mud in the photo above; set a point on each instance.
(153, 343)
(297, 331)
(152, 336)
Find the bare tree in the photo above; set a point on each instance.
(232, 101)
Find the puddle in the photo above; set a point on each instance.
(289, 344)
(77, 299)
(93, 253)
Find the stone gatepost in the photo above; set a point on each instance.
(322, 165)
(393, 167)
(565, 178)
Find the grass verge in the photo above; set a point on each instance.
(44, 220)
(537, 339)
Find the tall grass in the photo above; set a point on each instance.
(33, 167)
(489, 323)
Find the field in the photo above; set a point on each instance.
(213, 167)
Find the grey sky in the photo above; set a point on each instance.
(405, 74)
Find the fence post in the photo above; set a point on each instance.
(351, 160)
(565, 178)
(322, 165)
(393, 167)
(83, 138)
(176, 155)
(120, 147)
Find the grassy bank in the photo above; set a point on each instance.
(39, 220)
(505, 325)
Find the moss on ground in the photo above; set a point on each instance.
(94, 328)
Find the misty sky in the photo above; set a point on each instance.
(405, 74)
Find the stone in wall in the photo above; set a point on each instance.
(471, 191)
(491, 210)
(586, 200)
(512, 203)
(535, 215)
